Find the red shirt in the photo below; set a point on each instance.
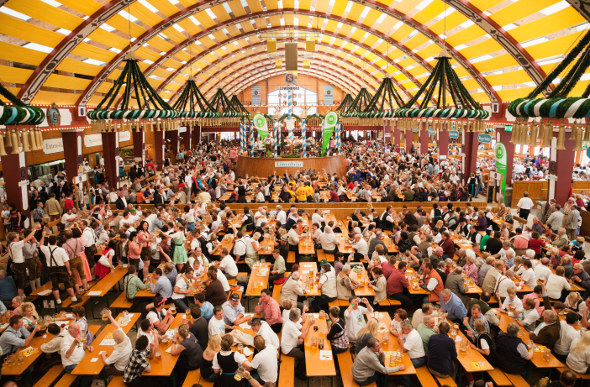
(536, 244)
(387, 269)
(68, 203)
(272, 311)
(448, 247)
(396, 282)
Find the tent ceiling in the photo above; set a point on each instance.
(70, 51)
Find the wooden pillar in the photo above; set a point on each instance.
(72, 143)
(139, 145)
(443, 144)
(110, 149)
(562, 162)
(469, 158)
(409, 139)
(187, 138)
(424, 138)
(159, 148)
(16, 175)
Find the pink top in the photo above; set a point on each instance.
(535, 297)
(271, 310)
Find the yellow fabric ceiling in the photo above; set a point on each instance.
(353, 39)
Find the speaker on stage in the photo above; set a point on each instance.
(291, 56)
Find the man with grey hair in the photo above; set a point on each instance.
(456, 283)
(377, 240)
(292, 338)
(515, 353)
(426, 329)
(410, 341)
(581, 277)
(562, 240)
(368, 368)
(292, 289)
(548, 334)
(452, 306)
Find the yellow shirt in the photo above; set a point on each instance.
(301, 194)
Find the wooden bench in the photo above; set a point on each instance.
(66, 380)
(446, 381)
(517, 380)
(388, 302)
(94, 329)
(291, 257)
(50, 376)
(192, 377)
(121, 302)
(425, 377)
(276, 290)
(579, 376)
(493, 300)
(287, 371)
(116, 381)
(499, 378)
(345, 366)
(339, 303)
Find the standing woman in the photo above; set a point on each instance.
(144, 241)
(104, 265)
(228, 362)
(337, 335)
(133, 250)
(179, 256)
(15, 219)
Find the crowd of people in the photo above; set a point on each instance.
(177, 253)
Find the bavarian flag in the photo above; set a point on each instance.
(328, 126)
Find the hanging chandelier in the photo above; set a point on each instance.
(453, 106)
(140, 107)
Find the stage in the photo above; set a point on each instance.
(265, 166)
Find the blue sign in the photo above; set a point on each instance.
(484, 138)
(453, 134)
(588, 152)
(431, 132)
(256, 94)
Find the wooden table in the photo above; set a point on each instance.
(227, 242)
(266, 247)
(364, 290)
(43, 289)
(306, 245)
(316, 366)
(392, 344)
(102, 287)
(164, 365)
(471, 360)
(344, 246)
(308, 271)
(391, 247)
(413, 279)
(538, 359)
(258, 279)
(89, 366)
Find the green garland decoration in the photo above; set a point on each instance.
(18, 113)
(384, 98)
(444, 79)
(134, 84)
(345, 104)
(558, 104)
(192, 103)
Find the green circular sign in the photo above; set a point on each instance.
(260, 122)
(499, 152)
(331, 118)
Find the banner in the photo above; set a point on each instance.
(261, 125)
(256, 95)
(328, 94)
(500, 153)
(328, 125)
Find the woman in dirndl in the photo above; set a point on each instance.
(179, 256)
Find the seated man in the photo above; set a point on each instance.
(442, 352)
(265, 361)
(411, 342)
(159, 317)
(119, 357)
(16, 335)
(292, 338)
(234, 312)
(514, 352)
(367, 367)
(547, 333)
(529, 316)
(138, 364)
(452, 306)
(72, 349)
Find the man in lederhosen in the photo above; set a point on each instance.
(59, 267)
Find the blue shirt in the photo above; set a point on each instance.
(163, 287)
(7, 289)
(454, 308)
(207, 310)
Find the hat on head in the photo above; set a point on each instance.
(324, 262)
(234, 297)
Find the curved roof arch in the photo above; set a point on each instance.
(503, 49)
(233, 39)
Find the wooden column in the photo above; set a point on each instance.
(72, 143)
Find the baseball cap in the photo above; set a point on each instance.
(234, 297)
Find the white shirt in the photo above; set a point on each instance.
(529, 277)
(67, 219)
(354, 321)
(240, 246)
(265, 363)
(516, 304)
(317, 219)
(555, 284)
(77, 354)
(216, 327)
(414, 345)
(525, 203)
(504, 283)
(228, 265)
(289, 337)
(578, 362)
(328, 281)
(183, 285)
(361, 247)
(269, 336)
(223, 279)
(530, 316)
(542, 272)
(149, 335)
(282, 217)
(567, 335)
(121, 353)
(16, 251)
(59, 255)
